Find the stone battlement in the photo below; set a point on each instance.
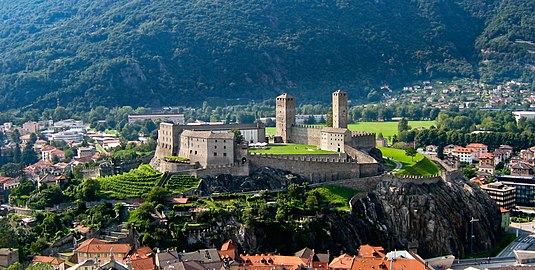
(308, 126)
(357, 134)
(303, 158)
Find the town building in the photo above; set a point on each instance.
(523, 114)
(52, 154)
(178, 119)
(520, 168)
(8, 256)
(370, 257)
(486, 163)
(504, 196)
(98, 250)
(69, 136)
(466, 155)
(524, 188)
(479, 149)
(55, 263)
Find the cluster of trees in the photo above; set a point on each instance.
(90, 53)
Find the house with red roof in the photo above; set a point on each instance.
(96, 249)
(57, 264)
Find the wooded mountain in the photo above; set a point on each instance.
(169, 52)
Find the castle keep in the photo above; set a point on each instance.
(334, 138)
(209, 150)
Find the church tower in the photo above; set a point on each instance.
(285, 116)
(339, 109)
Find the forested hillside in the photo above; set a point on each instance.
(166, 52)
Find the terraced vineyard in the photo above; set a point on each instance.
(181, 183)
(134, 183)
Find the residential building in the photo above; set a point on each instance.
(486, 163)
(504, 196)
(86, 152)
(57, 264)
(9, 183)
(50, 153)
(527, 155)
(32, 127)
(8, 256)
(371, 257)
(96, 249)
(174, 118)
(520, 168)
(507, 149)
(466, 155)
(479, 149)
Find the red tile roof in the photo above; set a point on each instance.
(344, 261)
(143, 264)
(180, 200)
(46, 259)
(95, 245)
(263, 261)
(371, 251)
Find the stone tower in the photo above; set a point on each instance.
(285, 116)
(339, 109)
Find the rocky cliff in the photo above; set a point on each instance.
(432, 217)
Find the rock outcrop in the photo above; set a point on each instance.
(434, 218)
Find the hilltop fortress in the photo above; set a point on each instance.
(210, 150)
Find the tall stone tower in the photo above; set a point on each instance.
(285, 116)
(339, 109)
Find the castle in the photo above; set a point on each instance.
(210, 150)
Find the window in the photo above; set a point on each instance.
(224, 154)
(215, 154)
(215, 146)
(195, 152)
(224, 147)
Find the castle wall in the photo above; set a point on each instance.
(306, 135)
(165, 166)
(234, 169)
(168, 140)
(362, 140)
(315, 168)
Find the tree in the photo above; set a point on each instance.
(89, 189)
(238, 136)
(28, 155)
(329, 121)
(380, 135)
(403, 125)
(15, 266)
(12, 169)
(411, 152)
(312, 202)
(158, 195)
(17, 154)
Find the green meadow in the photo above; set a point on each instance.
(387, 128)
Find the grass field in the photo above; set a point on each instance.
(387, 128)
(420, 165)
(336, 196)
(292, 149)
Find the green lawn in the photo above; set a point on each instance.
(336, 196)
(293, 149)
(420, 165)
(387, 128)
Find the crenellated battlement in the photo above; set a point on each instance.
(357, 134)
(304, 158)
(308, 126)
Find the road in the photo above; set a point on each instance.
(523, 242)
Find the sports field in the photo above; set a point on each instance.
(420, 165)
(387, 128)
(291, 149)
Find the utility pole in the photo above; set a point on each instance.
(472, 236)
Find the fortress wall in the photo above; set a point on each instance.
(165, 166)
(363, 140)
(236, 170)
(306, 135)
(316, 169)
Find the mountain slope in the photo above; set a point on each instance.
(150, 53)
